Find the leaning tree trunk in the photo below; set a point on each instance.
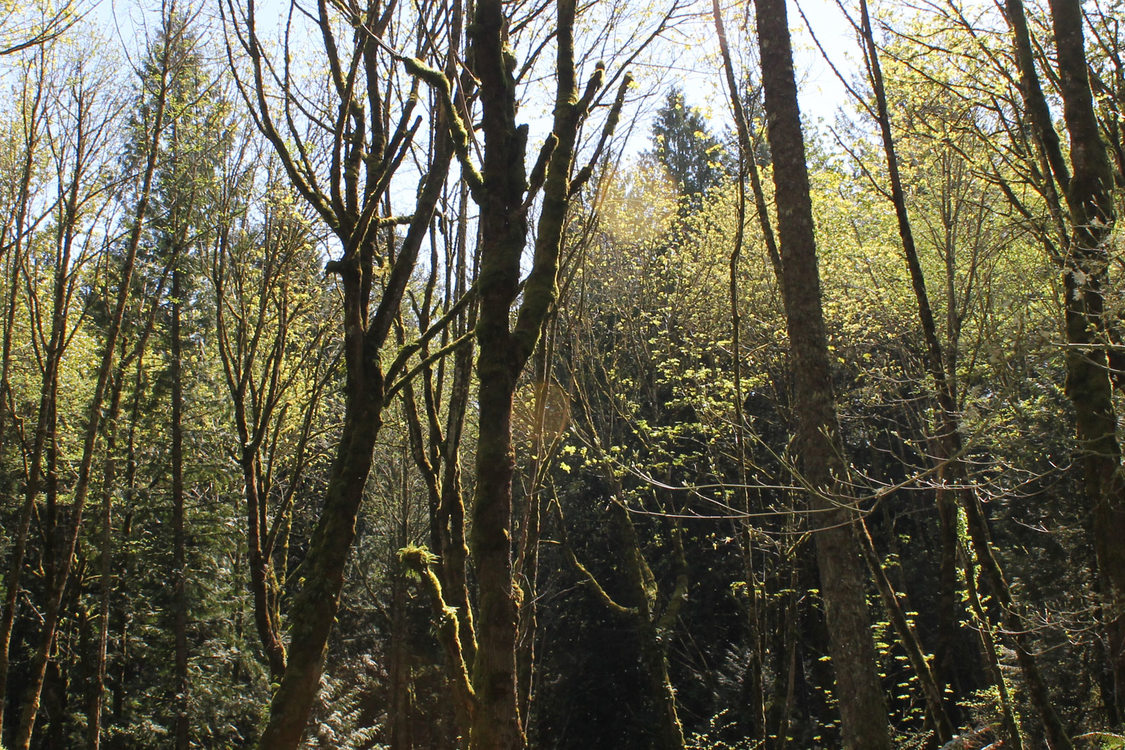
(951, 441)
(862, 705)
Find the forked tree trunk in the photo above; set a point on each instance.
(315, 605)
(503, 352)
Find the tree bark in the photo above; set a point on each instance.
(753, 680)
(179, 545)
(1089, 203)
(988, 643)
(862, 705)
(1090, 198)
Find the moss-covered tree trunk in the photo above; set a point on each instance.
(503, 230)
(503, 350)
(315, 605)
(862, 705)
(366, 149)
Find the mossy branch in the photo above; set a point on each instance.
(406, 351)
(588, 578)
(458, 129)
(539, 171)
(463, 340)
(593, 86)
(420, 561)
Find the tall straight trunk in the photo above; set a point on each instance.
(70, 528)
(179, 545)
(34, 686)
(53, 355)
(40, 440)
(451, 503)
(863, 709)
(753, 681)
(785, 660)
(15, 243)
(400, 700)
(948, 422)
(96, 703)
(125, 564)
(399, 672)
(96, 707)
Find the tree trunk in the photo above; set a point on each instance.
(1089, 202)
(1090, 197)
(43, 430)
(314, 607)
(263, 580)
(503, 353)
(63, 559)
(399, 672)
(753, 681)
(179, 545)
(862, 705)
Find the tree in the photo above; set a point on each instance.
(951, 439)
(694, 158)
(185, 218)
(277, 363)
(343, 163)
(824, 468)
(1084, 198)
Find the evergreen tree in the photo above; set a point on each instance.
(682, 141)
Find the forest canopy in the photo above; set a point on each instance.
(504, 375)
